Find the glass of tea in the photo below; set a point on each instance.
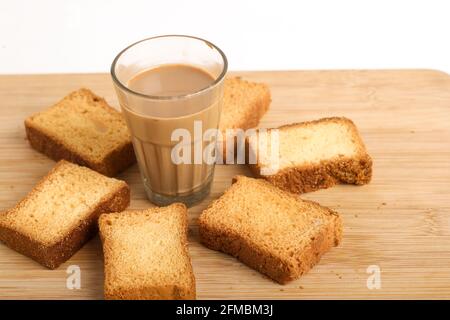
(170, 91)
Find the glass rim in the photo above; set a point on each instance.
(176, 97)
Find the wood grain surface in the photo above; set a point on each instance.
(400, 222)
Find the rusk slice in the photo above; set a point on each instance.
(84, 129)
(244, 104)
(314, 155)
(60, 214)
(269, 229)
(146, 254)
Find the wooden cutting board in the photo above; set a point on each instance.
(399, 223)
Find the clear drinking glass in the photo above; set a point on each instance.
(153, 119)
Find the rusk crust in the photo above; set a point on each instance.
(113, 163)
(324, 175)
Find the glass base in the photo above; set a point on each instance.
(189, 200)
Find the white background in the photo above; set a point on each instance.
(48, 36)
